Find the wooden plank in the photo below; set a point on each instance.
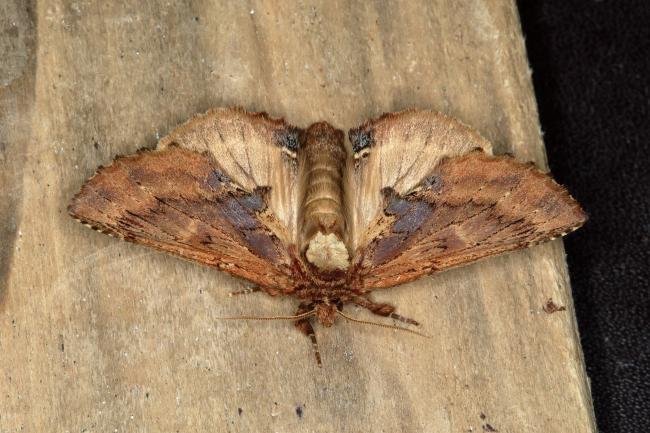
(99, 335)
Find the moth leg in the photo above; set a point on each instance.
(385, 310)
(304, 326)
(245, 291)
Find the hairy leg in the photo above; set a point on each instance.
(268, 290)
(385, 310)
(304, 326)
(245, 291)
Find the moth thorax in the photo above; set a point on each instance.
(323, 221)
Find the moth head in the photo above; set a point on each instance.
(325, 313)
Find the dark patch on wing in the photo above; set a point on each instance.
(394, 205)
(433, 183)
(414, 218)
(216, 179)
(409, 215)
(385, 248)
(239, 212)
(257, 200)
(240, 217)
(242, 213)
(263, 243)
(360, 138)
(289, 138)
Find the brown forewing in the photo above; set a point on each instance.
(178, 201)
(469, 207)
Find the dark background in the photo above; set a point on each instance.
(591, 72)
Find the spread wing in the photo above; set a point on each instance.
(398, 150)
(253, 150)
(466, 208)
(229, 212)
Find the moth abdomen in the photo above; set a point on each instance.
(322, 210)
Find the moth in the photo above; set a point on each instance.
(303, 213)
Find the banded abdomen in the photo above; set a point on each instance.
(323, 213)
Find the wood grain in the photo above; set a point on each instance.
(100, 335)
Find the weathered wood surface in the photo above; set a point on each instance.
(101, 335)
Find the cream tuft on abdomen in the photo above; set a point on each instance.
(327, 252)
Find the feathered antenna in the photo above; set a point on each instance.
(381, 325)
(296, 317)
